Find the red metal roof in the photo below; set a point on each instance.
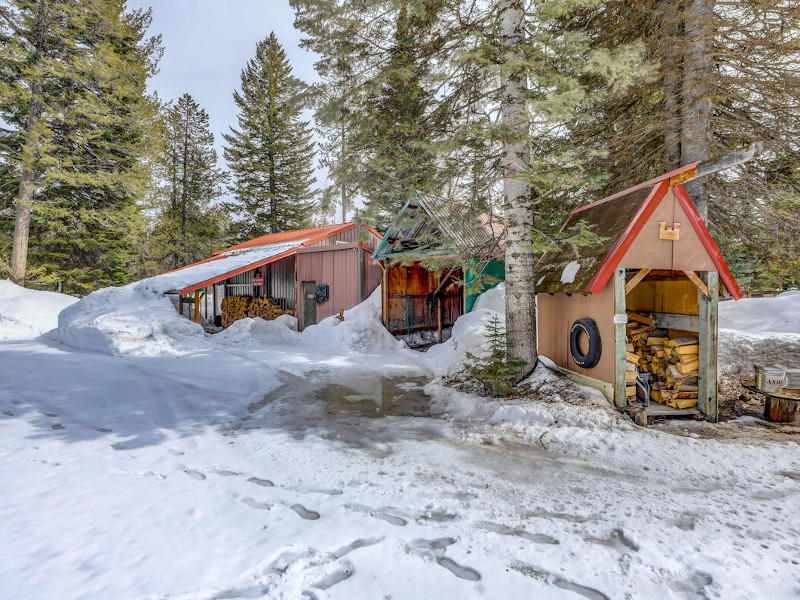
(311, 236)
(307, 237)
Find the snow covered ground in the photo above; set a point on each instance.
(142, 458)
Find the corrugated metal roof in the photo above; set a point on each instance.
(251, 254)
(307, 236)
(428, 225)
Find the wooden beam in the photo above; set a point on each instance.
(197, 306)
(695, 279)
(674, 321)
(180, 304)
(729, 160)
(636, 279)
(707, 370)
(619, 338)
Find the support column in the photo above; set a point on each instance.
(619, 338)
(707, 370)
(197, 306)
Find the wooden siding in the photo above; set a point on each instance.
(405, 299)
(557, 313)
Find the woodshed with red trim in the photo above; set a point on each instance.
(656, 262)
(311, 273)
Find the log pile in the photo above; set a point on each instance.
(673, 363)
(242, 307)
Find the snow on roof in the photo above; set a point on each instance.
(227, 264)
(306, 236)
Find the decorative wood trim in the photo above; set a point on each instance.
(695, 279)
(604, 386)
(619, 340)
(636, 279)
(705, 237)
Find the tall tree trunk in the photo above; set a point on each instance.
(30, 152)
(520, 292)
(344, 187)
(697, 65)
(672, 21)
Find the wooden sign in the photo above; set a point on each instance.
(669, 233)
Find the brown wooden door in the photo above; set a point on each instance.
(309, 304)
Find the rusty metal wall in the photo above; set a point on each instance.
(337, 268)
(282, 285)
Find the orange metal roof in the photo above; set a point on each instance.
(306, 237)
(309, 236)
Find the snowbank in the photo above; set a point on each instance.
(762, 315)
(28, 313)
(361, 331)
(469, 334)
(757, 331)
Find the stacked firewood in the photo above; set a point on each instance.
(241, 307)
(672, 362)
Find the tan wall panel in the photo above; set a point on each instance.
(648, 251)
(688, 253)
(557, 313)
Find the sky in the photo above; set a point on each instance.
(207, 44)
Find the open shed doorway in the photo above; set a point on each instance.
(670, 342)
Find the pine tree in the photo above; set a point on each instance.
(271, 154)
(491, 90)
(188, 226)
(496, 369)
(72, 92)
(722, 76)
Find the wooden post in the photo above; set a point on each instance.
(214, 301)
(205, 302)
(197, 306)
(619, 338)
(707, 370)
(439, 317)
(180, 304)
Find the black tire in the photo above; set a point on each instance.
(592, 356)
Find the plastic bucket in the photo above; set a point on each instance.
(770, 379)
(792, 379)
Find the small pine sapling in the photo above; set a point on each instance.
(497, 371)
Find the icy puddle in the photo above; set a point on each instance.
(361, 411)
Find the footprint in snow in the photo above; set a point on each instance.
(458, 570)
(344, 572)
(51, 415)
(435, 544)
(252, 503)
(8, 413)
(57, 426)
(355, 545)
(104, 430)
(225, 473)
(391, 519)
(539, 538)
(261, 482)
(194, 474)
(173, 452)
(306, 514)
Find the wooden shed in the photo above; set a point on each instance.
(426, 283)
(311, 273)
(657, 259)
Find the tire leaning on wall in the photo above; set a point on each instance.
(592, 356)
